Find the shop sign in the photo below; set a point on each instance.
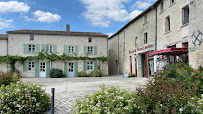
(132, 51)
(145, 47)
(192, 49)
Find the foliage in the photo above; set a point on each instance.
(108, 100)
(7, 78)
(42, 56)
(163, 96)
(56, 73)
(82, 74)
(23, 98)
(96, 73)
(131, 75)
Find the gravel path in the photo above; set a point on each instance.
(67, 90)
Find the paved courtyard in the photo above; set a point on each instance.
(67, 90)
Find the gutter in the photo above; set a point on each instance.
(7, 51)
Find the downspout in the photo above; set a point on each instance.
(156, 32)
(108, 55)
(118, 56)
(7, 51)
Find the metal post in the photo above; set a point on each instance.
(52, 100)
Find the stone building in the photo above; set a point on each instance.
(3, 50)
(169, 31)
(31, 42)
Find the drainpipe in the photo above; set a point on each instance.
(107, 55)
(156, 32)
(7, 52)
(118, 55)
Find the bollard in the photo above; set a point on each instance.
(52, 100)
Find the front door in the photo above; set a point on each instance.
(42, 70)
(70, 70)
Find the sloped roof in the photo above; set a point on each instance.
(3, 36)
(50, 32)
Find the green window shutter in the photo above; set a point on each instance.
(55, 49)
(76, 69)
(95, 50)
(43, 49)
(48, 69)
(25, 47)
(65, 69)
(37, 48)
(24, 66)
(84, 65)
(65, 49)
(95, 65)
(85, 50)
(76, 50)
(36, 69)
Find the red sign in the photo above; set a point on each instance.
(142, 48)
(133, 51)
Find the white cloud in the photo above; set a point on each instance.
(110, 34)
(5, 23)
(45, 17)
(102, 12)
(13, 6)
(140, 5)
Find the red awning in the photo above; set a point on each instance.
(171, 51)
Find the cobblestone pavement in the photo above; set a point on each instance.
(67, 90)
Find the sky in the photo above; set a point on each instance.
(105, 16)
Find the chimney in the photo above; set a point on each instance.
(68, 28)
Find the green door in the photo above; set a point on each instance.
(143, 66)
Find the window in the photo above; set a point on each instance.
(31, 37)
(31, 48)
(172, 1)
(168, 24)
(90, 50)
(49, 48)
(70, 49)
(136, 38)
(145, 19)
(145, 38)
(90, 66)
(31, 66)
(89, 40)
(162, 7)
(185, 11)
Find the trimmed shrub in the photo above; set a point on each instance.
(82, 74)
(163, 96)
(56, 73)
(7, 77)
(23, 98)
(108, 101)
(96, 73)
(131, 75)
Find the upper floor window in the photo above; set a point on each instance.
(89, 40)
(90, 66)
(168, 24)
(31, 48)
(185, 12)
(162, 6)
(31, 66)
(31, 37)
(145, 19)
(90, 50)
(70, 49)
(172, 1)
(136, 38)
(49, 49)
(145, 38)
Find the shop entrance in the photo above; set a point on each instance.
(143, 66)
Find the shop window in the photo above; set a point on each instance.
(185, 12)
(167, 24)
(145, 38)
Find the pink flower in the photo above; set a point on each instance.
(38, 109)
(26, 94)
(167, 108)
(174, 107)
(200, 69)
(26, 106)
(202, 86)
(107, 96)
(172, 110)
(196, 76)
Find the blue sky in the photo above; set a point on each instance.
(106, 16)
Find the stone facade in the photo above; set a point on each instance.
(166, 26)
(18, 44)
